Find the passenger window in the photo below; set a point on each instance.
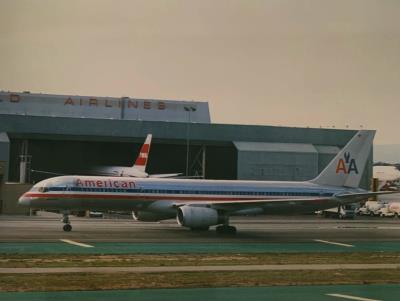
(43, 189)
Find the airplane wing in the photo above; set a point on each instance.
(233, 205)
(165, 175)
(47, 172)
(88, 172)
(363, 195)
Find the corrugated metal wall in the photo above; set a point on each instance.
(302, 164)
(276, 161)
(4, 156)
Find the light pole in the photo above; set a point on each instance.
(188, 109)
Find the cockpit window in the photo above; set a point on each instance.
(43, 189)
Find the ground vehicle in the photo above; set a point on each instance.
(95, 214)
(342, 212)
(385, 212)
(394, 208)
(371, 208)
(363, 211)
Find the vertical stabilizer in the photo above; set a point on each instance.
(141, 161)
(348, 166)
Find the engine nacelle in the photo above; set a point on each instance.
(198, 217)
(147, 216)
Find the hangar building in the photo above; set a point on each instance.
(42, 135)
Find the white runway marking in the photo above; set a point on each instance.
(76, 243)
(351, 297)
(333, 243)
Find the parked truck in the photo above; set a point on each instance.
(385, 211)
(394, 208)
(371, 208)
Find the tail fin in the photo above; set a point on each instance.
(348, 166)
(141, 161)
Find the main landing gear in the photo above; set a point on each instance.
(67, 227)
(225, 228)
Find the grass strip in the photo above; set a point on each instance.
(81, 260)
(78, 281)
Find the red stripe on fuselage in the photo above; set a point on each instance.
(136, 197)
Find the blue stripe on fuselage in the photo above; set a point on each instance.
(272, 193)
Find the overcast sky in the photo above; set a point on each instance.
(293, 63)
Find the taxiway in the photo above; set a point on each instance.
(263, 229)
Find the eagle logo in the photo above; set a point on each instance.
(346, 164)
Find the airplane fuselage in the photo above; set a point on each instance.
(126, 193)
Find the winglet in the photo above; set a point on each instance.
(141, 161)
(347, 167)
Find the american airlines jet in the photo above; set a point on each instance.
(199, 204)
(137, 170)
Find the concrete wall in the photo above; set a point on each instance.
(9, 194)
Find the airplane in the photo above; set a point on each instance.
(137, 170)
(199, 204)
(388, 177)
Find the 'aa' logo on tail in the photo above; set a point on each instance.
(347, 165)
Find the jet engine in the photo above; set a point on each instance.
(147, 216)
(199, 217)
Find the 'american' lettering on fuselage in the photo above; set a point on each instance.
(107, 183)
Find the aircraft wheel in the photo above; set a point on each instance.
(225, 229)
(67, 227)
(200, 229)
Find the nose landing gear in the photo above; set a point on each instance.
(67, 227)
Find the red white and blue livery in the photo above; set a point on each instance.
(199, 204)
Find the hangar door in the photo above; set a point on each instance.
(276, 161)
(325, 154)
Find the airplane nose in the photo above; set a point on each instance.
(24, 200)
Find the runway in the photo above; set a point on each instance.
(20, 235)
(263, 229)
